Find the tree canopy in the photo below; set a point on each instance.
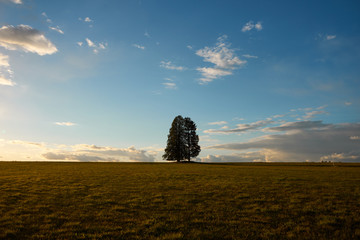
(183, 142)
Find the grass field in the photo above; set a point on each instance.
(179, 201)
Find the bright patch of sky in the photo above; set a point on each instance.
(102, 81)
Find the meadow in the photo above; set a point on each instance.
(179, 201)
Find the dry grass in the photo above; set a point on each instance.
(179, 201)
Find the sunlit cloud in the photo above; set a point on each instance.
(236, 157)
(348, 103)
(305, 144)
(223, 58)
(139, 46)
(18, 150)
(355, 137)
(5, 71)
(67, 124)
(13, 1)
(26, 39)
(171, 66)
(210, 74)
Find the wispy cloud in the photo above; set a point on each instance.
(290, 126)
(251, 25)
(139, 46)
(5, 71)
(242, 127)
(249, 56)
(146, 34)
(171, 66)
(330, 37)
(57, 29)
(96, 47)
(218, 123)
(25, 38)
(67, 124)
(223, 58)
(348, 103)
(170, 85)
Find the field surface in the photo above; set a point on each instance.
(179, 201)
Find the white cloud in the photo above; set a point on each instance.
(5, 71)
(25, 38)
(48, 20)
(89, 42)
(249, 56)
(209, 74)
(222, 56)
(146, 34)
(218, 123)
(67, 124)
(189, 47)
(348, 103)
(96, 47)
(169, 65)
(258, 26)
(305, 144)
(170, 85)
(57, 29)
(139, 46)
(80, 43)
(330, 37)
(250, 25)
(87, 19)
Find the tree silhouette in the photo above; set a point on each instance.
(192, 139)
(182, 140)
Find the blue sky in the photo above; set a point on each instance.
(103, 80)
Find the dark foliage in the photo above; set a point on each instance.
(182, 140)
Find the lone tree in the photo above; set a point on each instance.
(182, 140)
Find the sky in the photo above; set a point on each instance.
(103, 80)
